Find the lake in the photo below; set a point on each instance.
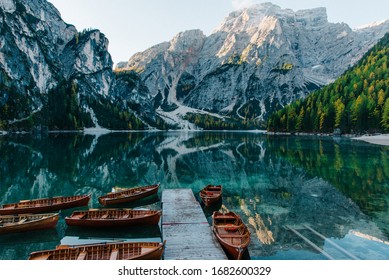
(302, 197)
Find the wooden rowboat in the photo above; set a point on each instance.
(27, 222)
(113, 218)
(231, 233)
(211, 194)
(44, 205)
(128, 195)
(104, 251)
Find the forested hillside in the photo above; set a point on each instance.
(357, 102)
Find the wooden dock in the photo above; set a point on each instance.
(185, 228)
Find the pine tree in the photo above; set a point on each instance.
(339, 113)
(300, 119)
(385, 116)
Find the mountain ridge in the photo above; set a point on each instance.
(258, 59)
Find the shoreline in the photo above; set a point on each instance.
(382, 139)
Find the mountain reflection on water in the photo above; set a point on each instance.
(282, 186)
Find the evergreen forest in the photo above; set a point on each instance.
(357, 102)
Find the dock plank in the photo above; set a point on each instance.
(185, 228)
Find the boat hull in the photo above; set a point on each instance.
(149, 219)
(104, 251)
(209, 201)
(211, 195)
(48, 221)
(154, 254)
(232, 234)
(235, 252)
(126, 196)
(35, 208)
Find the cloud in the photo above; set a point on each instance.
(240, 4)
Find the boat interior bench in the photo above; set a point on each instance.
(231, 235)
(22, 221)
(79, 216)
(82, 256)
(224, 217)
(114, 254)
(43, 257)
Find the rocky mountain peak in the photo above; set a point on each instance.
(247, 18)
(252, 17)
(88, 53)
(259, 59)
(187, 41)
(313, 17)
(373, 29)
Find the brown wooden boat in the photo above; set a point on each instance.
(104, 251)
(27, 222)
(44, 205)
(113, 218)
(128, 195)
(231, 232)
(211, 194)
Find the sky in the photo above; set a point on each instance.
(135, 25)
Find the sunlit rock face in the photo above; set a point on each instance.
(263, 56)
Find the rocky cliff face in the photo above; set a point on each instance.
(257, 60)
(32, 38)
(41, 55)
(39, 48)
(86, 58)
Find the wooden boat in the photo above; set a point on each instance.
(27, 222)
(104, 251)
(211, 194)
(231, 232)
(113, 218)
(128, 195)
(44, 205)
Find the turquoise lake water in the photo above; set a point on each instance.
(333, 192)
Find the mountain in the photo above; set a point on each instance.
(357, 102)
(53, 76)
(258, 60)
